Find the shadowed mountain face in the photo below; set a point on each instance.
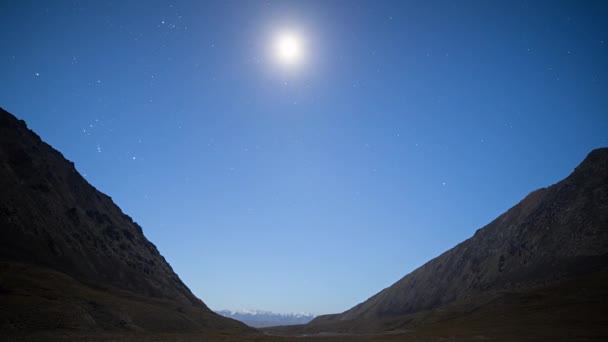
(73, 235)
(555, 233)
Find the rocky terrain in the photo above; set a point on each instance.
(537, 271)
(554, 233)
(57, 232)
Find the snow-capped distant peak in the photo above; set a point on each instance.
(263, 318)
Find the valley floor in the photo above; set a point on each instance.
(573, 310)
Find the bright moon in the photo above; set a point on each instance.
(289, 48)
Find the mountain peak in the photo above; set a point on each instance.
(595, 163)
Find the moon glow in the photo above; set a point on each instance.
(289, 48)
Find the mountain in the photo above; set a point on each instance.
(554, 233)
(542, 264)
(73, 266)
(260, 318)
(71, 260)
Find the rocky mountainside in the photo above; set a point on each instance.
(55, 226)
(260, 318)
(555, 233)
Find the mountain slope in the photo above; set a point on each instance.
(555, 233)
(569, 310)
(55, 225)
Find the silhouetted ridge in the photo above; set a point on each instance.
(51, 217)
(555, 233)
(54, 217)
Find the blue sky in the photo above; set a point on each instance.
(409, 126)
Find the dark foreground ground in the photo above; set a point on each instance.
(574, 310)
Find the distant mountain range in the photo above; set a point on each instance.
(261, 318)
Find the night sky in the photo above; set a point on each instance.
(310, 185)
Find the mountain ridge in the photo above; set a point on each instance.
(41, 174)
(533, 242)
(52, 220)
(263, 312)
